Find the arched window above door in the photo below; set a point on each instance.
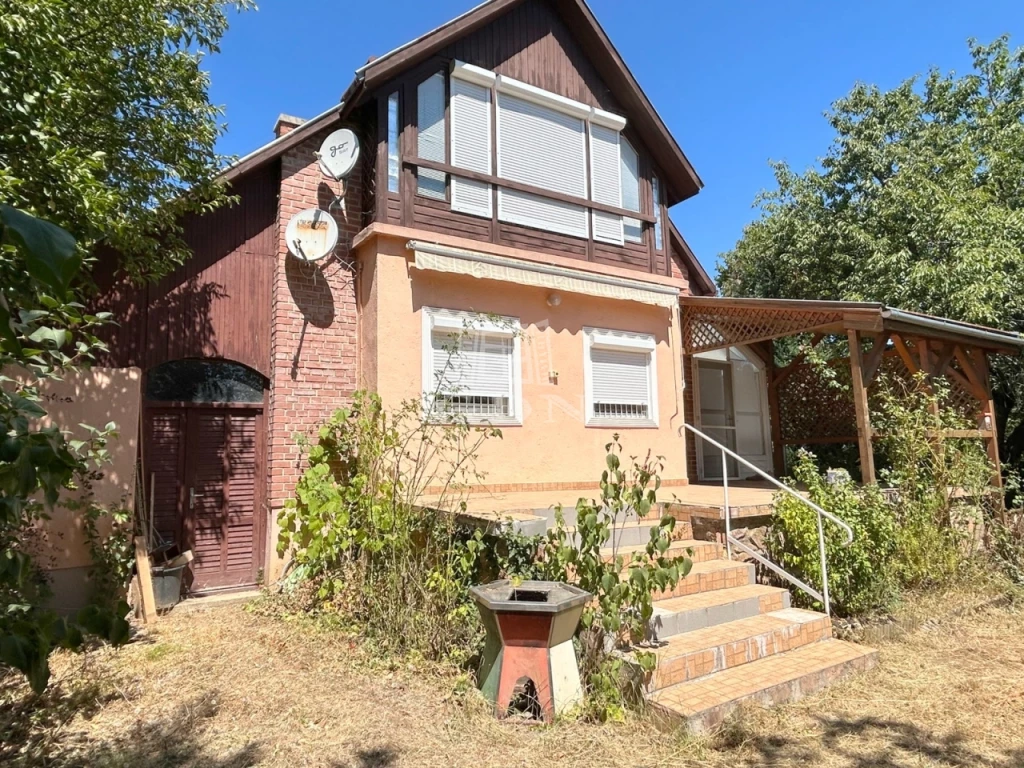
(204, 381)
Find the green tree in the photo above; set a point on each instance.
(106, 128)
(918, 203)
(107, 137)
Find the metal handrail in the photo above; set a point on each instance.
(730, 542)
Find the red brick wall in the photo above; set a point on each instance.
(313, 331)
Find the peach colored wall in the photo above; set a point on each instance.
(96, 396)
(553, 445)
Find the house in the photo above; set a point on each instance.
(510, 166)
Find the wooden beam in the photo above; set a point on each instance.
(904, 353)
(874, 357)
(872, 323)
(487, 178)
(142, 567)
(860, 404)
(775, 415)
(989, 415)
(781, 374)
(973, 381)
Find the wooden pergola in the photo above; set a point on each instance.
(802, 412)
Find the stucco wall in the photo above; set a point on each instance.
(553, 446)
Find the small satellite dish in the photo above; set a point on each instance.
(339, 153)
(311, 234)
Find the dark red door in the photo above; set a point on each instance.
(203, 464)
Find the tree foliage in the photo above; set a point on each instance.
(918, 203)
(37, 463)
(106, 128)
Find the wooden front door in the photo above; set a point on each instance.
(202, 467)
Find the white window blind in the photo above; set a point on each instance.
(546, 148)
(633, 230)
(393, 161)
(621, 378)
(621, 382)
(605, 182)
(659, 240)
(471, 366)
(431, 129)
(471, 145)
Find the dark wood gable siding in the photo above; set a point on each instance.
(533, 44)
(215, 305)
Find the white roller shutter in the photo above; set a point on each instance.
(471, 145)
(605, 183)
(473, 373)
(632, 228)
(621, 383)
(431, 134)
(540, 146)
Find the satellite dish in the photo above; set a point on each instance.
(339, 153)
(311, 234)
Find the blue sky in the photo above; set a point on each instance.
(738, 82)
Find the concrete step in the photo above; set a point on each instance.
(711, 576)
(704, 703)
(569, 515)
(634, 533)
(697, 551)
(693, 655)
(676, 615)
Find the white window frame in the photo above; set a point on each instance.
(624, 341)
(434, 318)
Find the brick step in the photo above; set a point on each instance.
(704, 703)
(711, 576)
(697, 551)
(693, 655)
(676, 615)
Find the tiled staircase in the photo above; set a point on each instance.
(723, 639)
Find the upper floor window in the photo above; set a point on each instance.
(537, 141)
(393, 160)
(659, 239)
(633, 230)
(430, 105)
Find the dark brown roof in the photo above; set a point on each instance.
(681, 180)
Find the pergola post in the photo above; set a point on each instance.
(774, 414)
(989, 413)
(860, 404)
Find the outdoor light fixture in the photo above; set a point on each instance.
(554, 299)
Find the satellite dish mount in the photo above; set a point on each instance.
(338, 156)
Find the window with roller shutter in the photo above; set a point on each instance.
(620, 378)
(471, 367)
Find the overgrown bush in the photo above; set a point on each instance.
(623, 588)
(374, 523)
(913, 533)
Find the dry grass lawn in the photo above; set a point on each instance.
(223, 687)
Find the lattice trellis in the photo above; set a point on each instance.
(707, 328)
(810, 411)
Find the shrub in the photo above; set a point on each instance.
(622, 587)
(860, 575)
(912, 534)
(386, 556)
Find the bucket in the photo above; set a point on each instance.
(167, 585)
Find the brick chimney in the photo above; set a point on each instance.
(286, 124)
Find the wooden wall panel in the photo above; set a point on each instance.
(531, 43)
(217, 304)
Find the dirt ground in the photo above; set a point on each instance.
(223, 687)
